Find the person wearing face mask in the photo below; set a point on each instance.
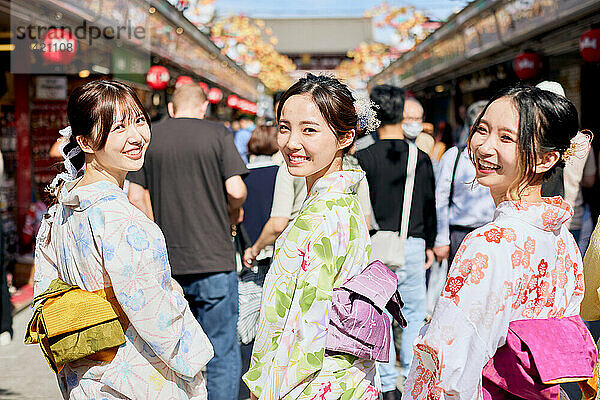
(385, 163)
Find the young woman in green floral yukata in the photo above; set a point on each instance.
(327, 244)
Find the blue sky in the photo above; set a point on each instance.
(436, 9)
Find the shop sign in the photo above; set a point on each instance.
(589, 45)
(60, 46)
(527, 65)
(215, 95)
(158, 77)
(183, 80)
(51, 87)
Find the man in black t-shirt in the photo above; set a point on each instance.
(385, 163)
(193, 174)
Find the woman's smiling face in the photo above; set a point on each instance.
(307, 142)
(126, 143)
(494, 146)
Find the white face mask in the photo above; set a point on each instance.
(412, 129)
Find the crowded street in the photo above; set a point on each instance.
(316, 200)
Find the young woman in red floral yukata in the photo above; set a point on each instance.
(506, 324)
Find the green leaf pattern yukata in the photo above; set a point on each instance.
(327, 244)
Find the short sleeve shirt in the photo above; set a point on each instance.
(186, 166)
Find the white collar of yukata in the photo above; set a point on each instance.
(345, 181)
(549, 214)
(81, 198)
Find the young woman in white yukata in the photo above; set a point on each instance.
(523, 265)
(95, 239)
(322, 248)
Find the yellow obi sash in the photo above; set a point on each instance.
(71, 323)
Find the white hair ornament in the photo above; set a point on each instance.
(580, 145)
(71, 173)
(365, 110)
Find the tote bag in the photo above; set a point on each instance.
(388, 246)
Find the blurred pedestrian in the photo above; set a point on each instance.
(193, 173)
(93, 238)
(242, 135)
(386, 164)
(462, 204)
(322, 248)
(265, 159)
(6, 308)
(516, 284)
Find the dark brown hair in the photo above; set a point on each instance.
(263, 140)
(334, 100)
(92, 110)
(547, 122)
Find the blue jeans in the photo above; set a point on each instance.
(411, 285)
(213, 299)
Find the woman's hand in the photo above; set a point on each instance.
(253, 397)
(250, 256)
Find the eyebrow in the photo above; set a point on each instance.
(500, 129)
(309, 123)
(301, 122)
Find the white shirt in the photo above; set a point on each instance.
(472, 204)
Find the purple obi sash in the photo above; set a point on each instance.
(539, 354)
(357, 323)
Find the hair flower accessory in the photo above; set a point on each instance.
(580, 144)
(367, 116)
(66, 132)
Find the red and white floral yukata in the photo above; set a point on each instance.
(524, 264)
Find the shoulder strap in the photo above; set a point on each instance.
(451, 195)
(408, 189)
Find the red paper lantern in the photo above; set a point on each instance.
(589, 45)
(183, 80)
(527, 65)
(204, 87)
(158, 77)
(232, 101)
(60, 46)
(215, 95)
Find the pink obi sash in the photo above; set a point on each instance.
(539, 354)
(357, 323)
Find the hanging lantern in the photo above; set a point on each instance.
(60, 46)
(215, 95)
(527, 65)
(204, 87)
(232, 101)
(183, 80)
(158, 77)
(589, 45)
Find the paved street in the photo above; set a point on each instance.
(24, 372)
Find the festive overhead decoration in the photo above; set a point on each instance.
(60, 46)
(158, 77)
(215, 95)
(250, 43)
(589, 45)
(527, 65)
(183, 80)
(204, 87)
(408, 26)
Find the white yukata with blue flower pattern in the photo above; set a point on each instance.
(94, 238)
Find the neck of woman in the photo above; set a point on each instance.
(96, 173)
(336, 165)
(531, 193)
